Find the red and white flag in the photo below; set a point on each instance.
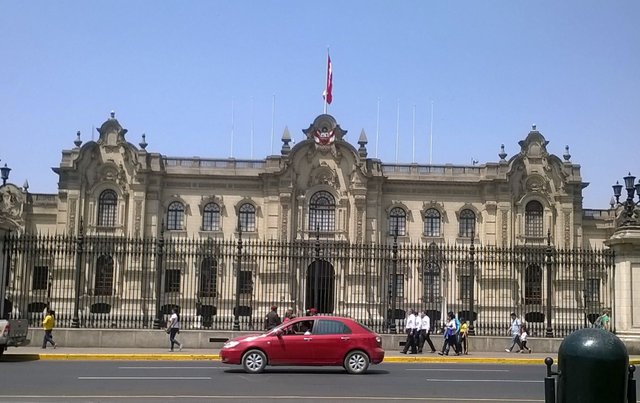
(328, 97)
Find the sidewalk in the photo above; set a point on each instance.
(76, 353)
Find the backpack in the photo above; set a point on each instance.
(457, 326)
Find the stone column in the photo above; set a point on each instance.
(625, 242)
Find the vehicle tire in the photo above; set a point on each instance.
(254, 361)
(356, 362)
(2, 350)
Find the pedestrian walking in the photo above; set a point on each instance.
(425, 332)
(272, 319)
(409, 329)
(48, 324)
(524, 336)
(603, 321)
(464, 337)
(449, 335)
(514, 328)
(173, 328)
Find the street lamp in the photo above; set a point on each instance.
(316, 274)
(549, 332)
(394, 281)
(627, 217)
(236, 313)
(472, 270)
(4, 173)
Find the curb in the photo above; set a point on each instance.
(216, 357)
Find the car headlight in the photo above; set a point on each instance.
(230, 344)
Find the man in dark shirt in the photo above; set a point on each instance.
(272, 319)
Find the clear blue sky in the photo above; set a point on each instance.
(173, 69)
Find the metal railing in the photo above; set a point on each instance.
(108, 281)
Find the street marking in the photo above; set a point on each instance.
(174, 367)
(484, 380)
(144, 378)
(262, 398)
(457, 370)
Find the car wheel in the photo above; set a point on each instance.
(254, 361)
(356, 362)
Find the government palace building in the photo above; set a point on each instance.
(132, 233)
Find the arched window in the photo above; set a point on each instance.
(247, 217)
(467, 223)
(397, 222)
(208, 277)
(107, 206)
(175, 216)
(431, 275)
(104, 276)
(533, 285)
(322, 212)
(211, 217)
(533, 225)
(432, 222)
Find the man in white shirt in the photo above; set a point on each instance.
(410, 329)
(425, 331)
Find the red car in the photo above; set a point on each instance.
(309, 340)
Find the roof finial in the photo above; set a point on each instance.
(143, 144)
(77, 141)
(533, 127)
(566, 154)
(113, 115)
(502, 153)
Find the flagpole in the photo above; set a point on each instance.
(273, 119)
(252, 126)
(413, 135)
(328, 84)
(397, 129)
(431, 137)
(232, 128)
(377, 127)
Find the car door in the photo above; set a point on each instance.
(292, 346)
(332, 339)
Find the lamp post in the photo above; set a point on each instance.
(472, 274)
(4, 173)
(158, 320)
(394, 281)
(75, 322)
(628, 216)
(549, 332)
(316, 273)
(236, 313)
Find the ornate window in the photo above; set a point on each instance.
(397, 221)
(467, 223)
(208, 277)
(104, 276)
(107, 206)
(172, 280)
(533, 219)
(431, 274)
(432, 221)
(211, 217)
(246, 282)
(399, 283)
(533, 285)
(322, 212)
(175, 216)
(247, 217)
(592, 290)
(40, 278)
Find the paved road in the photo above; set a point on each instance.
(196, 381)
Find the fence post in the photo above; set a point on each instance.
(394, 282)
(549, 332)
(157, 322)
(236, 311)
(75, 323)
(316, 273)
(472, 270)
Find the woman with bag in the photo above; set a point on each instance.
(173, 328)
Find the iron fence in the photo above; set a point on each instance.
(128, 283)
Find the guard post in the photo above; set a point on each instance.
(593, 367)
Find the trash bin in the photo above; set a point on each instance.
(592, 366)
